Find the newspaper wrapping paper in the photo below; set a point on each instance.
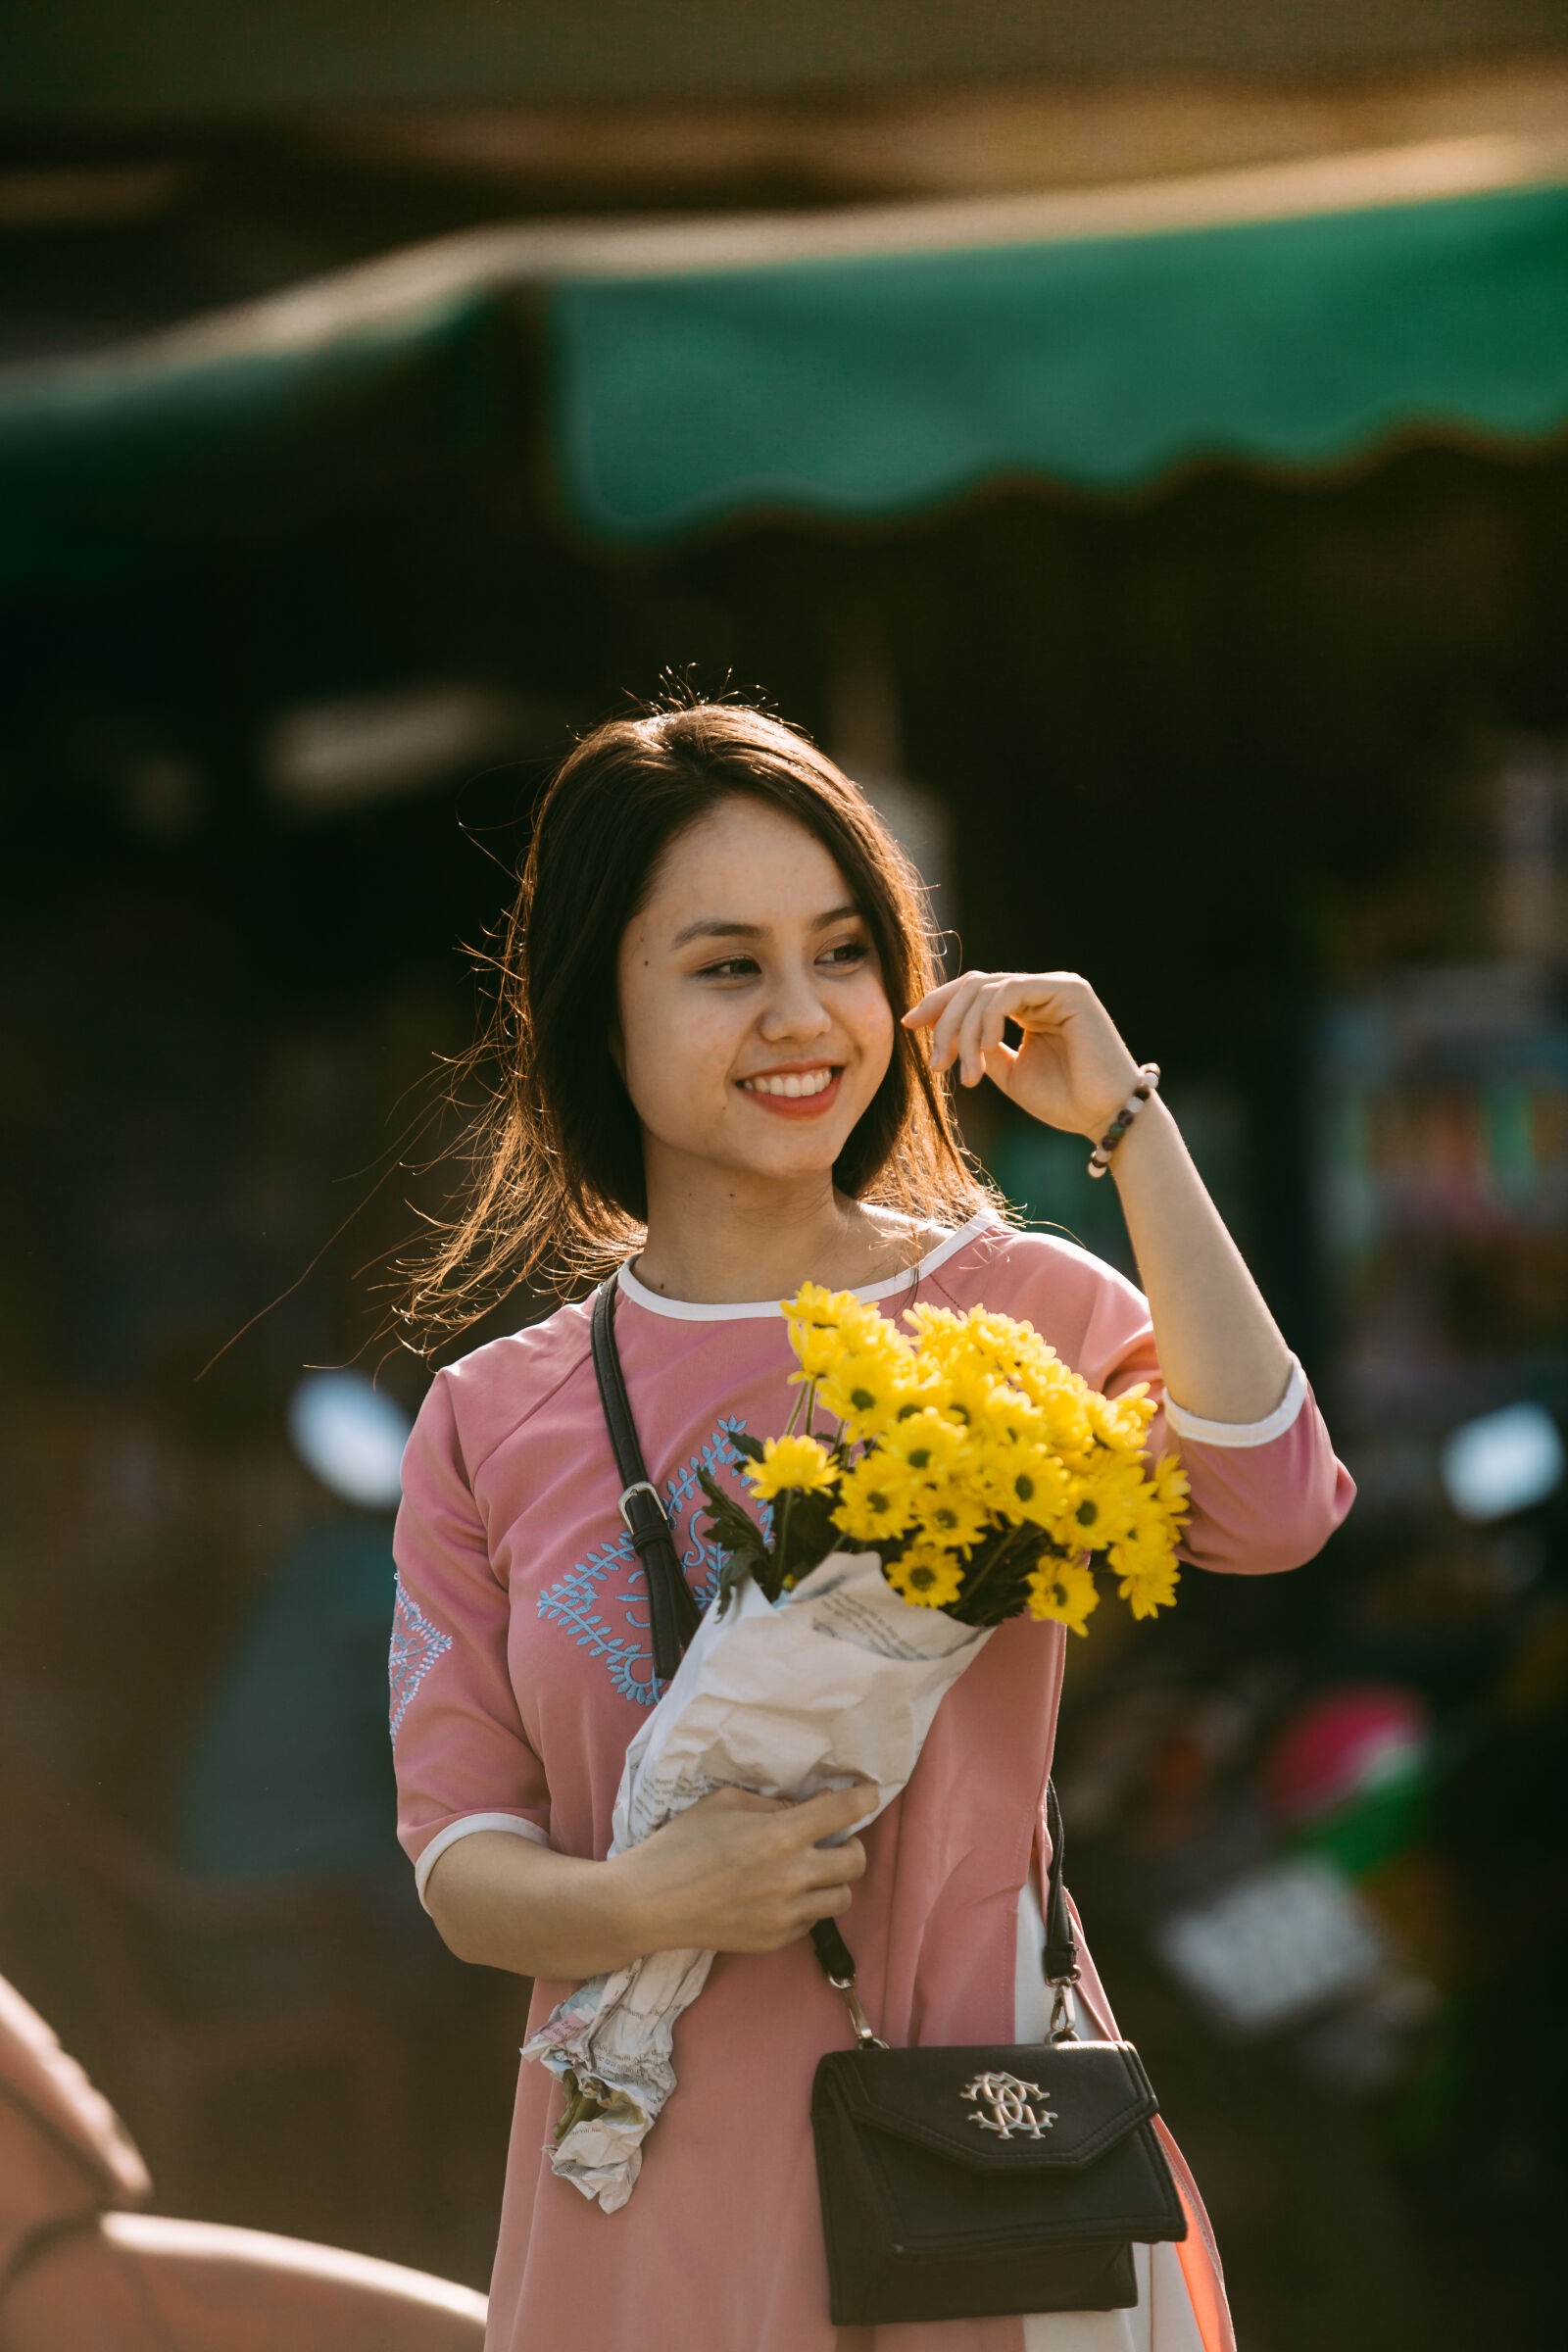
(837, 1682)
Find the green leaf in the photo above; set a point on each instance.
(740, 1539)
(809, 1534)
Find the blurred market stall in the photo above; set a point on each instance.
(856, 364)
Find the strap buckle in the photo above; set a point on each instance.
(865, 2040)
(641, 1486)
(1063, 2026)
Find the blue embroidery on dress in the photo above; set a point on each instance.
(415, 1646)
(603, 1601)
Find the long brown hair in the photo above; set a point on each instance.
(557, 1187)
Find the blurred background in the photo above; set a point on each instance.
(1134, 439)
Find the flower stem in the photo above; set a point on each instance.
(781, 1541)
(1003, 1551)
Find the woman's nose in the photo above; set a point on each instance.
(795, 1007)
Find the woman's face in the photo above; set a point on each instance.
(754, 1028)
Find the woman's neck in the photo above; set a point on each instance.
(721, 1253)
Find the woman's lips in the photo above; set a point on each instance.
(795, 1106)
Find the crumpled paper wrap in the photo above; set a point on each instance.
(837, 1682)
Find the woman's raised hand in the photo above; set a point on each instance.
(1069, 1068)
(741, 1873)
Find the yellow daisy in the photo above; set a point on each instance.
(1147, 1590)
(929, 1578)
(799, 1463)
(876, 1500)
(926, 1442)
(951, 1515)
(867, 1389)
(1065, 1590)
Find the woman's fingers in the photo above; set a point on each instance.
(966, 1017)
(997, 1009)
(830, 1903)
(921, 1015)
(950, 1021)
(738, 1872)
(832, 1811)
(835, 1865)
(740, 1801)
(972, 1040)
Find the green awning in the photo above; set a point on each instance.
(855, 364)
(871, 386)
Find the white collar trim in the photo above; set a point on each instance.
(690, 1310)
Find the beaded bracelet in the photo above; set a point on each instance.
(1148, 1081)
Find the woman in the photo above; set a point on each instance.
(723, 1059)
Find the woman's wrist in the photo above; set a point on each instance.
(627, 1901)
(1097, 1123)
(1151, 1133)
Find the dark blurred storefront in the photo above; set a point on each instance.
(1269, 740)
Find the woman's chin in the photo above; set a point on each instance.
(791, 1155)
(761, 1150)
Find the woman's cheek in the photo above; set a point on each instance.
(874, 1034)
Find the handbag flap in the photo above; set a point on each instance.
(1028, 2107)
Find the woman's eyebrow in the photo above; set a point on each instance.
(717, 927)
(721, 927)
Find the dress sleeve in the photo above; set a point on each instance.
(462, 1760)
(1266, 1495)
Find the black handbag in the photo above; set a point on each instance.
(957, 2183)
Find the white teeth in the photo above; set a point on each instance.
(790, 1082)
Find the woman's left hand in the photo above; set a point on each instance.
(1070, 1067)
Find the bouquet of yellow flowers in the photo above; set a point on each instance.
(988, 1479)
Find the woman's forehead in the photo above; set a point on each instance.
(745, 866)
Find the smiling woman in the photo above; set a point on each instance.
(724, 1066)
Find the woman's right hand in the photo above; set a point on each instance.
(742, 1873)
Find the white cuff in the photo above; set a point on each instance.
(512, 1823)
(1241, 1433)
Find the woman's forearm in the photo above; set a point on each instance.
(1220, 1351)
(734, 1873)
(505, 1903)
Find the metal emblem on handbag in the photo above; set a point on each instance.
(925, 2216)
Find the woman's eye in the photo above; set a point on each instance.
(733, 967)
(850, 951)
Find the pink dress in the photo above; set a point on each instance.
(519, 1669)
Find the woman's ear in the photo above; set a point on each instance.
(617, 1050)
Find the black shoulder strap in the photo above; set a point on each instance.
(1061, 1956)
(673, 1611)
(673, 1615)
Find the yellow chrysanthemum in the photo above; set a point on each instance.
(828, 1310)
(818, 1349)
(927, 1575)
(1064, 1412)
(799, 1462)
(1171, 1491)
(1120, 1421)
(825, 1325)
(965, 1398)
(1111, 1502)
(1147, 1589)
(1030, 1485)
(927, 1443)
(876, 1500)
(869, 1388)
(950, 1514)
(1063, 1590)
